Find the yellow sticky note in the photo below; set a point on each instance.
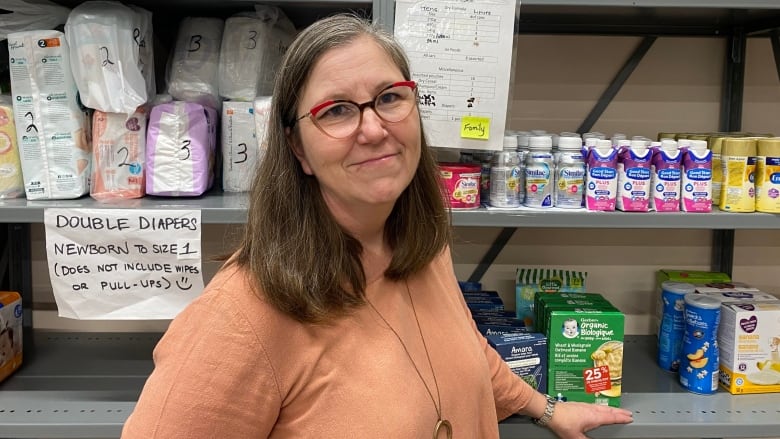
(474, 127)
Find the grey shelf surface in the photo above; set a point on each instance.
(230, 208)
(84, 385)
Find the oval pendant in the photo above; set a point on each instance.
(442, 424)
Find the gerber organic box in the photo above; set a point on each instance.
(10, 333)
(525, 354)
(585, 354)
(749, 342)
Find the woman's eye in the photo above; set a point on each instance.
(336, 111)
(388, 98)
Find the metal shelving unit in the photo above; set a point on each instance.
(84, 385)
(58, 394)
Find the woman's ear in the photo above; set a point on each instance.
(294, 141)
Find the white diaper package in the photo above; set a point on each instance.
(252, 48)
(11, 181)
(105, 57)
(50, 127)
(143, 37)
(180, 149)
(118, 155)
(240, 148)
(193, 70)
(262, 107)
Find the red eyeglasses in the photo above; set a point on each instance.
(340, 118)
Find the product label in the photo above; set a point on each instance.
(569, 186)
(768, 184)
(538, 190)
(602, 188)
(697, 186)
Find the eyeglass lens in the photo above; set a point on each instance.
(341, 119)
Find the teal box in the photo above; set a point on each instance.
(525, 354)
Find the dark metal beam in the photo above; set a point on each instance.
(723, 251)
(733, 82)
(20, 267)
(498, 245)
(775, 38)
(616, 84)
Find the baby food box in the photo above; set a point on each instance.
(585, 354)
(525, 354)
(531, 280)
(10, 333)
(543, 302)
(749, 341)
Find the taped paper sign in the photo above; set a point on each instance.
(123, 264)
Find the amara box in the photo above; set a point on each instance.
(525, 354)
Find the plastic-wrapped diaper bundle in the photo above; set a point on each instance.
(11, 181)
(105, 57)
(195, 64)
(50, 128)
(180, 149)
(252, 48)
(119, 145)
(240, 148)
(144, 41)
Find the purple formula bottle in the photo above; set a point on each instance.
(666, 177)
(601, 177)
(697, 178)
(633, 170)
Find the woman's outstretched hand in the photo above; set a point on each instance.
(573, 419)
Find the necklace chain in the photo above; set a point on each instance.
(409, 355)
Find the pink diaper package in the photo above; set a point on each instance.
(119, 145)
(180, 149)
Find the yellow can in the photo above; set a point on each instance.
(768, 175)
(738, 158)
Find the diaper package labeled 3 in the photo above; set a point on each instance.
(10, 333)
(118, 157)
(240, 148)
(194, 67)
(50, 127)
(180, 149)
(104, 56)
(11, 181)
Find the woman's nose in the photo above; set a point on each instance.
(372, 127)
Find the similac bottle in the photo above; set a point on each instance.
(738, 160)
(539, 172)
(768, 176)
(665, 177)
(696, 177)
(601, 177)
(569, 173)
(633, 170)
(505, 175)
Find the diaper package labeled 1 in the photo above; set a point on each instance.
(529, 281)
(749, 341)
(118, 160)
(11, 181)
(50, 127)
(10, 333)
(180, 149)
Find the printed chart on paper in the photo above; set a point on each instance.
(460, 54)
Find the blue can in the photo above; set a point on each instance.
(700, 355)
(670, 333)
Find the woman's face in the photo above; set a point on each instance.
(374, 165)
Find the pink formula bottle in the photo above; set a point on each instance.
(601, 177)
(666, 177)
(697, 178)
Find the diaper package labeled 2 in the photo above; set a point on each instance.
(180, 149)
(11, 181)
(118, 158)
(10, 333)
(50, 127)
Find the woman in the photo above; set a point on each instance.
(340, 314)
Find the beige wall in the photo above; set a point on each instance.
(559, 78)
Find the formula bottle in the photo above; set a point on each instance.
(696, 177)
(601, 177)
(665, 177)
(569, 173)
(715, 144)
(700, 353)
(768, 175)
(633, 170)
(539, 172)
(505, 175)
(738, 192)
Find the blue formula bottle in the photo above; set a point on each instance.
(700, 355)
(670, 333)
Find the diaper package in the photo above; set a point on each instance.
(118, 155)
(180, 149)
(10, 333)
(50, 127)
(144, 42)
(194, 67)
(240, 148)
(11, 181)
(104, 56)
(252, 48)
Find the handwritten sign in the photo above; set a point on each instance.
(460, 53)
(475, 127)
(123, 264)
